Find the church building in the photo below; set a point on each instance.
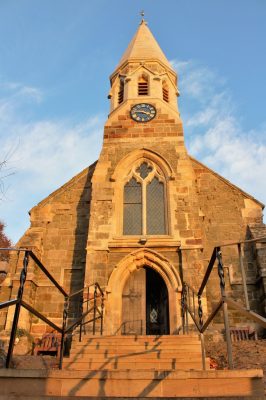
(142, 219)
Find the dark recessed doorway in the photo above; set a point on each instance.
(157, 305)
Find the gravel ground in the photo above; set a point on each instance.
(35, 362)
(246, 355)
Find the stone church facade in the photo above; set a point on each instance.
(143, 218)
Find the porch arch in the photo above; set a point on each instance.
(127, 266)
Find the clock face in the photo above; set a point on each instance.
(142, 112)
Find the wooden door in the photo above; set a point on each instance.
(134, 304)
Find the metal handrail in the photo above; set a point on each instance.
(19, 302)
(224, 301)
(8, 303)
(214, 256)
(208, 271)
(81, 290)
(40, 265)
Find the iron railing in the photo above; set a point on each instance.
(191, 300)
(96, 311)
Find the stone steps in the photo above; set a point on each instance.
(33, 384)
(132, 368)
(135, 352)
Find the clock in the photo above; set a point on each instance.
(142, 112)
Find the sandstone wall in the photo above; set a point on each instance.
(58, 236)
(226, 213)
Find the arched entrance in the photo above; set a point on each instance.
(143, 295)
(145, 304)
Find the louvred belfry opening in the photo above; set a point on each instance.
(165, 92)
(121, 92)
(143, 86)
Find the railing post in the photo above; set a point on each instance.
(225, 309)
(184, 309)
(203, 350)
(240, 255)
(94, 307)
(200, 311)
(81, 312)
(62, 346)
(193, 300)
(188, 297)
(102, 308)
(23, 276)
(80, 330)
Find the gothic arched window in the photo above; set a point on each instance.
(165, 92)
(143, 85)
(144, 201)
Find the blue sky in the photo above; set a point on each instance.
(55, 60)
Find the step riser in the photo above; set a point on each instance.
(169, 338)
(108, 367)
(10, 397)
(141, 357)
(133, 365)
(139, 342)
(115, 339)
(129, 352)
(139, 347)
(161, 388)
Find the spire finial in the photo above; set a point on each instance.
(142, 17)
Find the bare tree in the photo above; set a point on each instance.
(2, 178)
(5, 171)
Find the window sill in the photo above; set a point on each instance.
(144, 241)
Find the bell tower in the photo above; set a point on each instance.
(143, 73)
(144, 207)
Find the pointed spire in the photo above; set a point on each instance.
(143, 47)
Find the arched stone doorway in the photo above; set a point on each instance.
(161, 272)
(145, 304)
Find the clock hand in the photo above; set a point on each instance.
(144, 112)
